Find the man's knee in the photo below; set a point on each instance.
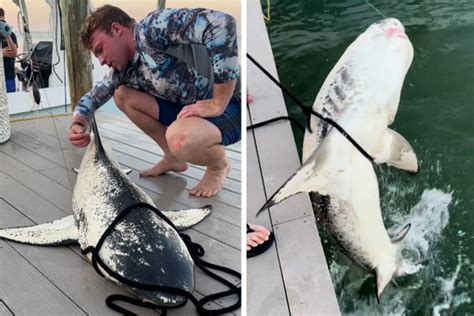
(120, 97)
(178, 139)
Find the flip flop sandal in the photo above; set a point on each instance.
(257, 250)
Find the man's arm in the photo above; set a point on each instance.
(222, 92)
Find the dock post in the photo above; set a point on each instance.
(4, 116)
(79, 64)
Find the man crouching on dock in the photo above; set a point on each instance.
(175, 75)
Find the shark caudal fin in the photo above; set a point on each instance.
(305, 179)
(385, 272)
(188, 218)
(383, 275)
(397, 152)
(59, 232)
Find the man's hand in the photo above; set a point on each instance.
(222, 92)
(203, 108)
(7, 52)
(5, 29)
(78, 135)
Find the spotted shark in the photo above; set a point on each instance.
(143, 247)
(362, 94)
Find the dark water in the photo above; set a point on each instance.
(436, 115)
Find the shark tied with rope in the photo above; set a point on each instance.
(360, 98)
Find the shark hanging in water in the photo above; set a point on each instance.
(361, 94)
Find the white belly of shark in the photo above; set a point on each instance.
(361, 94)
(142, 247)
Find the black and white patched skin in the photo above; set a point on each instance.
(361, 93)
(143, 247)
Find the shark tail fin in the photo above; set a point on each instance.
(305, 179)
(185, 219)
(383, 276)
(59, 232)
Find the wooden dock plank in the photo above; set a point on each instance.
(4, 309)
(26, 291)
(265, 288)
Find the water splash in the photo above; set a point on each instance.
(423, 233)
(355, 287)
(449, 299)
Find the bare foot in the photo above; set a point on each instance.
(257, 237)
(163, 166)
(212, 182)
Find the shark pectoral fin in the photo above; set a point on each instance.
(401, 234)
(383, 276)
(305, 179)
(59, 232)
(397, 152)
(187, 218)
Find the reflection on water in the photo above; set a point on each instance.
(435, 115)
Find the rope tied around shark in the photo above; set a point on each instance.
(308, 111)
(195, 250)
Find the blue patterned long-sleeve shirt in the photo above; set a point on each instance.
(158, 72)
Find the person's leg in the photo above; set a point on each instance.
(143, 110)
(198, 141)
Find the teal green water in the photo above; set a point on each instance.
(436, 115)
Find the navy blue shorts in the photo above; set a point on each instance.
(228, 123)
(10, 85)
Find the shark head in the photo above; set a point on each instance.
(390, 27)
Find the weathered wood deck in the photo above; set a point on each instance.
(292, 277)
(35, 187)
